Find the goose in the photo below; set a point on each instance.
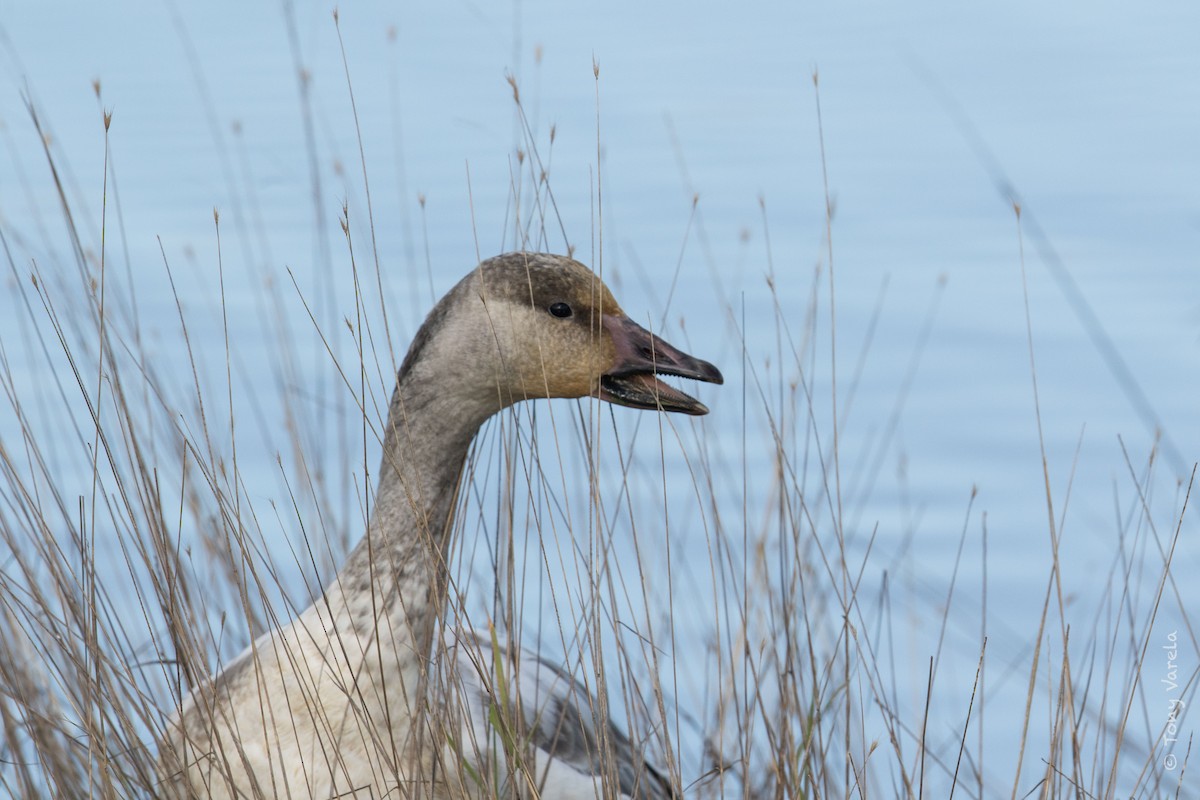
(330, 705)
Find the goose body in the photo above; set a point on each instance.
(342, 702)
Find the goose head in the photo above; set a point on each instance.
(535, 325)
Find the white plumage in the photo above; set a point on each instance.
(553, 712)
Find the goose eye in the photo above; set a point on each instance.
(560, 310)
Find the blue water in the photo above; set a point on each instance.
(933, 120)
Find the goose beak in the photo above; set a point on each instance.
(641, 357)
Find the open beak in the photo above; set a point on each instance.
(641, 357)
